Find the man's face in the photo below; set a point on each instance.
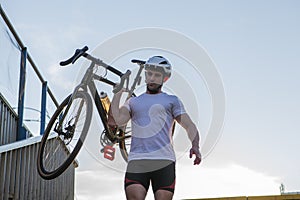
(154, 80)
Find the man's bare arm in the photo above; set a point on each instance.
(120, 115)
(185, 121)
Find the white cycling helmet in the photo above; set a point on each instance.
(159, 63)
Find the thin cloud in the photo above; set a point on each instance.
(232, 180)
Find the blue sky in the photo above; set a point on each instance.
(255, 46)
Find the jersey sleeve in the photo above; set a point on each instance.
(127, 105)
(178, 107)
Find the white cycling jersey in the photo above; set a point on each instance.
(152, 117)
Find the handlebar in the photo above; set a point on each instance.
(77, 54)
(82, 52)
(140, 62)
(124, 77)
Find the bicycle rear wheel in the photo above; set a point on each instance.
(60, 145)
(125, 143)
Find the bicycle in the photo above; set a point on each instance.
(70, 123)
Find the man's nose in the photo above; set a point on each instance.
(152, 77)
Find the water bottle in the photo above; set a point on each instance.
(105, 101)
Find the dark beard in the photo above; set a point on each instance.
(154, 90)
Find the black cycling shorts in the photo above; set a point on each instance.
(161, 173)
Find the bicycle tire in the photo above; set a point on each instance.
(46, 153)
(125, 143)
(112, 135)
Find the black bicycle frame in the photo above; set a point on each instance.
(88, 83)
(96, 97)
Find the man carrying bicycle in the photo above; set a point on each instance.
(152, 157)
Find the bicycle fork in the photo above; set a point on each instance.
(71, 125)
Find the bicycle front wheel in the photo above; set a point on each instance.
(64, 135)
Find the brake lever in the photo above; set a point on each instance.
(123, 78)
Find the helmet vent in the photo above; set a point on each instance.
(164, 63)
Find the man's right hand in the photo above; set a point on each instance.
(117, 90)
(195, 150)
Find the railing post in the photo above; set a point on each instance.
(21, 131)
(43, 108)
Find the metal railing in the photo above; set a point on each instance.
(8, 123)
(22, 46)
(25, 56)
(19, 177)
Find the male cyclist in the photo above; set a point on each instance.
(152, 157)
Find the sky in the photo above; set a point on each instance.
(254, 47)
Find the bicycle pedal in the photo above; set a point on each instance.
(109, 152)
